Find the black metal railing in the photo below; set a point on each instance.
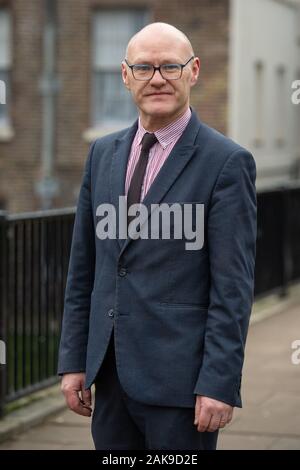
(34, 258)
(34, 255)
(278, 240)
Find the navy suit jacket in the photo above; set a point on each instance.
(179, 317)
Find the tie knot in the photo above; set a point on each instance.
(148, 141)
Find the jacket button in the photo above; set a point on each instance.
(111, 312)
(122, 272)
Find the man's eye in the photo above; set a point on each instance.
(142, 68)
(171, 67)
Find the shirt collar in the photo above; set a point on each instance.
(167, 134)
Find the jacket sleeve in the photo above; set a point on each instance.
(80, 280)
(231, 236)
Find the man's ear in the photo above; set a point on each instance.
(125, 75)
(195, 71)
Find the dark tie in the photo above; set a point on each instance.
(135, 188)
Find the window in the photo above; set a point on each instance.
(5, 64)
(111, 101)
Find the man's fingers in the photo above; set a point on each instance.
(203, 420)
(214, 423)
(83, 410)
(223, 421)
(86, 396)
(229, 416)
(74, 403)
(197, 410)
(72, 398)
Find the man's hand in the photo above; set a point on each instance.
(211, 414)
(78, 399)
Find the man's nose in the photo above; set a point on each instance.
(157, 78)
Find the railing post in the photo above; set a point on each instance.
(3, 307)
(285, 248)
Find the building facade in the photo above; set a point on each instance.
(60, 61)
(264, 63)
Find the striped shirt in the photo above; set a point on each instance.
(167, 138)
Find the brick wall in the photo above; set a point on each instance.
(204, 21)
(19, 158)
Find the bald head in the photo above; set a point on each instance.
(158, 36)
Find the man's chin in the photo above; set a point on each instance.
(160, 110)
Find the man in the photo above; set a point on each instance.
(158, 328)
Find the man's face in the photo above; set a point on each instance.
(158, 97)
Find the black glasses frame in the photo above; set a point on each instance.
(131, 66)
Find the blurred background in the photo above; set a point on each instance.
(60, 63)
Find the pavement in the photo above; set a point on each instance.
(269, 419)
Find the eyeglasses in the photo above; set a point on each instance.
(167, 71)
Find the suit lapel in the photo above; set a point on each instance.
(120, 158)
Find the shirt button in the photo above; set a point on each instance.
(122, 272)
(111, 312)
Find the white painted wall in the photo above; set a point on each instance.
(265, 32)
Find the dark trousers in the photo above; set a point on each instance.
(120, 423)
